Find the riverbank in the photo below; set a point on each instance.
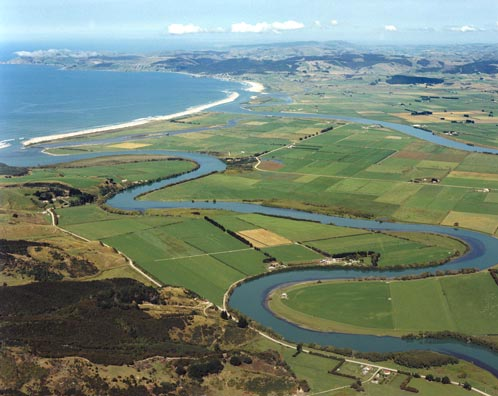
(141, 121)
(389, 307)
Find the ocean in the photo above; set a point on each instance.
(42, 100)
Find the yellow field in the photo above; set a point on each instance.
(370, 112)
(486, 223)
(474, 175)
(284, 133)
(256, 123)
(435, 117)
(195, 135)
(263, 238)
(130, 145)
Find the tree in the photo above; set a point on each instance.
(247, 360)
(180, 370)
(357, 386)
(446, 380)
(199, 370)
(467, 386)
(303, 384)
(429, 377)
(242, 322)
(235, 360)
(224, 315)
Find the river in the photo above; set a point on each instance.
(250, 297)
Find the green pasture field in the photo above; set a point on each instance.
(391, 388)
(334, 94)
(18, 198)
(172, 249)
(397, 307)
(250, 134)
(205, 275)
(187, 252)
(315, 370)
(88, 176)
(360, 172)
(295, 230)
(202, 120)
(310, 367)
(248, 262)
(293, 254)
(395, 249)
(431, 388)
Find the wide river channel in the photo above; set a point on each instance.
(250, 297)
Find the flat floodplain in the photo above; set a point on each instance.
(395, 249)
(363, 171)
(88, 174)
(179, 251)
(461, 303)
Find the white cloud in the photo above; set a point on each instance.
(334, 22)
(318, 24)
(464, 29)
(260, 27)
(390, 28)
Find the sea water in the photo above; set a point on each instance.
(42, 100)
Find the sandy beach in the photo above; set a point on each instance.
(254, 86)
(141, 121)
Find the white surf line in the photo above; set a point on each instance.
(141, 121)
(203, 254)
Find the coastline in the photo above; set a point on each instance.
(141, 121)
(254, 86)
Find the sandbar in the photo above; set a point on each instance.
(254, 86)
(141, 121)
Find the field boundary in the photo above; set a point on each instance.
(128, 260)
(203, 254)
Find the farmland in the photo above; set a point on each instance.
(193, 253)
(224, 134)
(89, 173)
(359, 171)
(450, 303)
(460, 98)
(312, 164)
(187, 252)
(396, 249)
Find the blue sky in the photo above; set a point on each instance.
(215, 22)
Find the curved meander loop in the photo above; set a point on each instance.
(250, 297)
